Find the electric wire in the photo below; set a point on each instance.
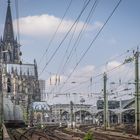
(65, 53)
(69, 43)
(100, 74)
(94, 39)
(108, 71)
(63, 58)
(64, 38)
(83, 27)
(54, 34)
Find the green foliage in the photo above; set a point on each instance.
(89, 136)
(38, 126)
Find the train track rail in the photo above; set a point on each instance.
(49, 133)
(16, 135)
(116, 133)
(59, 133)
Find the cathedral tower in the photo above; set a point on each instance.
(9, 47)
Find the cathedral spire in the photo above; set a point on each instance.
(8, 29)
(9, 45)
(9, 2)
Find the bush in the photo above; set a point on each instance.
(89, 136)
(38, 126)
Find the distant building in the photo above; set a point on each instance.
(19, 82)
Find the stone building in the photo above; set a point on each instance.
(19, 81)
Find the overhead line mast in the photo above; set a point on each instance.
(137, 94)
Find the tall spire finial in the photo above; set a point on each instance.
(9, 2)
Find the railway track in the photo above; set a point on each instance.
(30, 134)
(57, 133)
(116, 133)
(49, 133)
(16, 135)
(113, 136)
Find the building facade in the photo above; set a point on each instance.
(19, 81)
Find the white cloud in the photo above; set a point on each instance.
(80, 80)
(112, 41)
(81, 75)
(113, 64)
(97, 25)
(86, 71)
(117, 70)
(47, 24)
(109, 66)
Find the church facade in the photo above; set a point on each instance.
(19, 81)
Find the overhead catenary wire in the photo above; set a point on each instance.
(108, 71)
(65, 53)
(127, 72)
(117, 56)
(100, 74)
(80, 33)
(63, 58)
(68, 46)
(54, 34)
(94, 39)
(64, 38)
(75, 87)
(74, 46)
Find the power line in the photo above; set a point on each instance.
(53, 36)
(93, 40)
(100, 74)
(66, 51)
(84, 27)
(78, 38)
(65, 37)
(72, 36)
(93, 77)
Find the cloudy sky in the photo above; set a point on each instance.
(39, 21)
